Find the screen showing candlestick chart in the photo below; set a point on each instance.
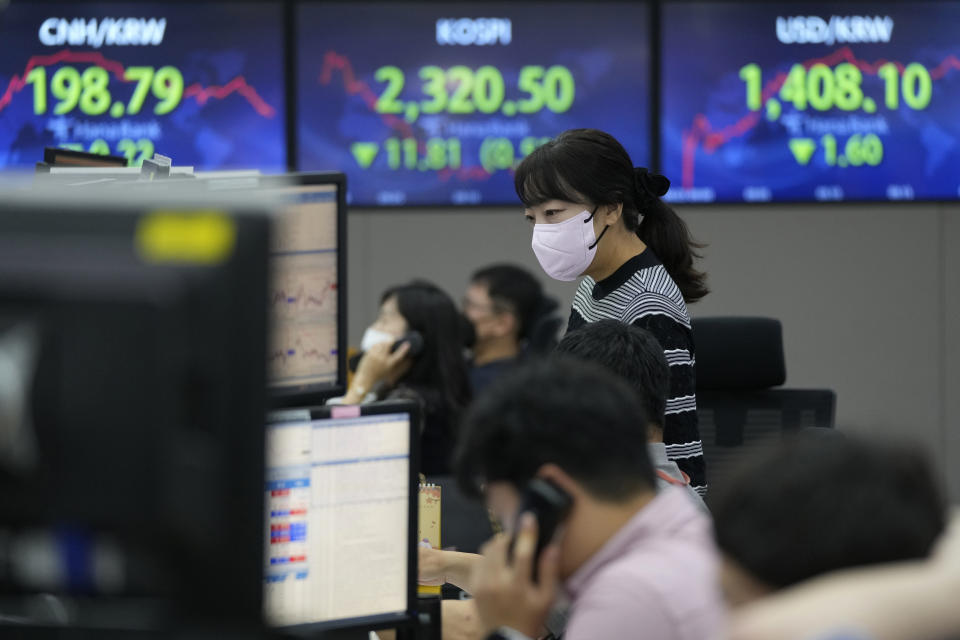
(436, 103)
(811, 101)
(199, 82)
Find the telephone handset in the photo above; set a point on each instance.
(550, 505)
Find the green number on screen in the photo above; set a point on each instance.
(751, 75)
(95, 99)
(435, 87)
(529, 82)
(38, 78)
(794, 88)
(393, 76)
(463, 77)
(66, 87)
(168, 89)
(143, 76)
(917, 86)
(558, 89)
(488, 89)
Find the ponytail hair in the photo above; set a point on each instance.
(659, 226)
(591, 166)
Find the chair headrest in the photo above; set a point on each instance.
(739, 353)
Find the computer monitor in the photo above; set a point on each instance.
(132, 396)
(340, 530)
(307, 353)
(308, 295)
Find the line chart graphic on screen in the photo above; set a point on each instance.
(453, 96)
(196, 82)
(303, 296)
(811, 101)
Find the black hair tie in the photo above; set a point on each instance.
(649, 186)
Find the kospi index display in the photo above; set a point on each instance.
(436, 103)
(811, 101)
(198, 82)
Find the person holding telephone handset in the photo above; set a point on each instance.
(595, 215)
(414, 351)
(553, 447)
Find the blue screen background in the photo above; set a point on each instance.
(232, 53)
(705, 46)
(605, 45)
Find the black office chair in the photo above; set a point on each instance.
(740, 367)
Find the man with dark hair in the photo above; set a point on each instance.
(912, 600)
(503, 303)
(632, 560)
(634, 355)
(812, 505)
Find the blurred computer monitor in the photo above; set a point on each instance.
(132, 395)
(307, 299)
(57, 157)
(341, 517)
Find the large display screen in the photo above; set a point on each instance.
(201, 82)
(791, 101)
(436, 103)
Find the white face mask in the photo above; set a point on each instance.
(373, 337)
(566, 249)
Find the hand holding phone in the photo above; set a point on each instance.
(412, 339)
(550, 505)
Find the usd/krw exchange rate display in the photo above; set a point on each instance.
(200, 82)
(436, 103)
(811, 101)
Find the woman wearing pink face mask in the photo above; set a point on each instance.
(597, 216)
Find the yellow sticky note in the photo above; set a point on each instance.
(192, 237)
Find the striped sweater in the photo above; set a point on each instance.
(642, 293)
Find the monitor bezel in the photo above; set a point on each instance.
(397, 619)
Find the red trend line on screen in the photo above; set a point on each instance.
(237, 85)
(18, 82)
(197, 91)
(701, 131)
(333, 61)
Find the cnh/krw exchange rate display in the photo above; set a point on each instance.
(811, 101)
(436, 103)
(200, 82)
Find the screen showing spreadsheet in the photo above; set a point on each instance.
(337, 514)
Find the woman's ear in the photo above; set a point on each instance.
(613, 214)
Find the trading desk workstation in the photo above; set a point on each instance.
(166, 349)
